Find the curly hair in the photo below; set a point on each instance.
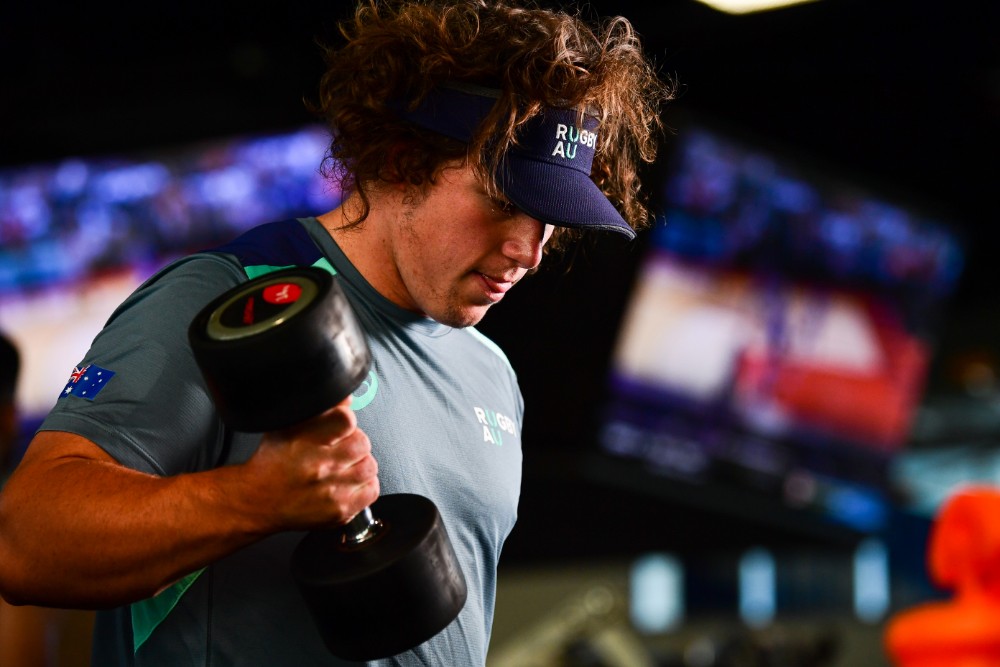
(403, 49)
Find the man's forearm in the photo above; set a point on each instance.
(82, 532)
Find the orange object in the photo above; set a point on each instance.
(963, 556)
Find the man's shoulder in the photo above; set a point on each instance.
(274, 244)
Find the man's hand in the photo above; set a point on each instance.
(317, 473)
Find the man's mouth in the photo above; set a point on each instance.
(496, 285)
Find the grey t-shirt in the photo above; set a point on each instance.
(441, 407)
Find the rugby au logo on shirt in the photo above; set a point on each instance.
(494, 425)
(86, 382)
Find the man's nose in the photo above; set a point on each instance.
(525, 240)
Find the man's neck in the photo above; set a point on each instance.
(368, 246)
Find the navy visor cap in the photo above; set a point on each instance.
(546, 173)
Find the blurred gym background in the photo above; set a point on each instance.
(739, 427)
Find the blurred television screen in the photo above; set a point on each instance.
(78, 235)
(778, 334)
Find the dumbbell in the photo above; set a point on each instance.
(282, 348)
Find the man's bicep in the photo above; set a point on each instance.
(50, 447)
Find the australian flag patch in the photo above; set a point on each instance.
(86, 382)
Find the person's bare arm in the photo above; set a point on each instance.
(77, 529)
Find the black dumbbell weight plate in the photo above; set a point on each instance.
(279, 349)
(387, 594)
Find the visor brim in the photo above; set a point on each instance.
(559, 196)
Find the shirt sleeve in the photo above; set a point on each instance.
(143, 399)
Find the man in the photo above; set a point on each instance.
(469, 137)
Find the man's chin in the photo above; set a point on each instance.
(463, 317)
